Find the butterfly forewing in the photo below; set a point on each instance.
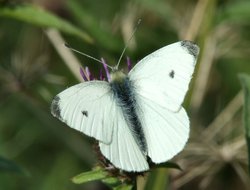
(164, 75)
(90, 107)
(87, 107)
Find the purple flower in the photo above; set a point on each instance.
(87, 76)
(129, 64)
(106, 69)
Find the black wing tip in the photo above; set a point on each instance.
(55, 108)
(191, 47)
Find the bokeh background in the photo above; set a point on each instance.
(39, 152)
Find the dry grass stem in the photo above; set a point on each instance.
(241, 173)
(205, 66)
(69, 58)
(224, 117)
(196, 20)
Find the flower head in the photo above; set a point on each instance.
(87, 75)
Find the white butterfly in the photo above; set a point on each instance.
(138, 115)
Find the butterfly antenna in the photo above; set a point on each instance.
(86, 55)
(126, 46)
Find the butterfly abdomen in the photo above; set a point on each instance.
(123, 91)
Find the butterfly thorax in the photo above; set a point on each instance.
(124, 94)
(117, 76)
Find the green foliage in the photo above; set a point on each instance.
(41, 18)
(102, 37)
(236, 12)
(116, 183)
(169, 165)
(100, 174)
(9, 166)
(158, 179)
(96, 174)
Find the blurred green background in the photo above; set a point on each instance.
(39, 152)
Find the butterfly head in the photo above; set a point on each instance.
(117, 76)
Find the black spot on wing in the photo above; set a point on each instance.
(192, 48)
(171, 74)
(55, 108)
(85, 113)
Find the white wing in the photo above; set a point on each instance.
(90, 107)
(166, 132)
(87, 107)
(165, 74)
(161, 81)
(123, 152)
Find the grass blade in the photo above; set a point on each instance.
(245, 81)
(37, 16)
(93, 175)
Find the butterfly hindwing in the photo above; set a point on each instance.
(123, 151)
(87, 107)
(164, 75)
(166, 132)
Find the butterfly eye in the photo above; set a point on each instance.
(171, 74)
